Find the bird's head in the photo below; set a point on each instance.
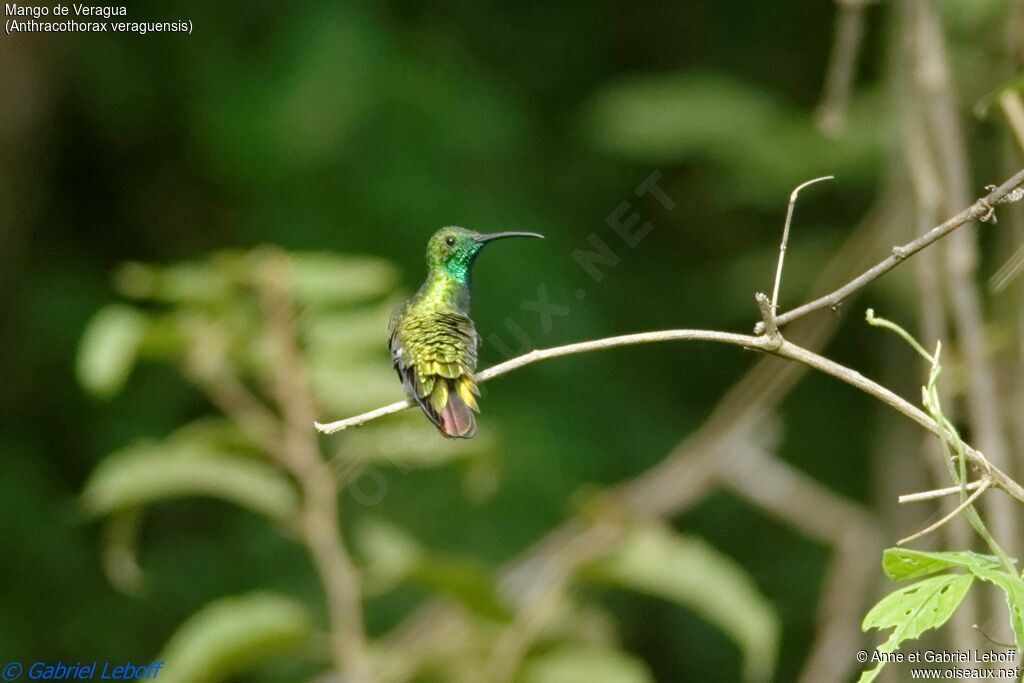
(453, 249)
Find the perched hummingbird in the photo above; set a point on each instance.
(432, 339)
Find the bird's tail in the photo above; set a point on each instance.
(455, 402)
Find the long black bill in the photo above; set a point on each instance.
(502, 235)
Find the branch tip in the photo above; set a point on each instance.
(785, 240)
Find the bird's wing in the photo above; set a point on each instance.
(402, 354)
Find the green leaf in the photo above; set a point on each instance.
(1014, 84)
(470, 583)
(352, 334)
(903, 563)
(151, 472)
(761, 144)
(109, 349)
(912, 610)
(341, 388)
(330, 279)
(584, 665)
(120, 551)
(657, 117)
(192, 283)
(1013, 587)
(233, 635)
(688, 571)
(215, 434)
(389, 553)
(391, 556)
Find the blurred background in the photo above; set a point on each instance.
(346, 133)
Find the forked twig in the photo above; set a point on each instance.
(985, 483)
(785, 236)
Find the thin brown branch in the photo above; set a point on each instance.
(237, 402)
(981, 208)
(766, 343)
(208, 366)
(556, 352)
(854, 378)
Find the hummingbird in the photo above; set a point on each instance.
(432, 339)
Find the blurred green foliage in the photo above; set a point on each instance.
(211, 320)
(360, 128)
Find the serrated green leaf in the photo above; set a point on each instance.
(1013, 587)
(152, 472)
(233, 635)
(584, 665)
(688, 571)
(914, 609)
(109, 349)
(903, 563)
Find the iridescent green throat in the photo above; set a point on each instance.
(459, 263)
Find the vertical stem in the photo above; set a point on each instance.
(785, 238)
(322, 535)
(300, 452)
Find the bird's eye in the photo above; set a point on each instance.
(450, 241)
